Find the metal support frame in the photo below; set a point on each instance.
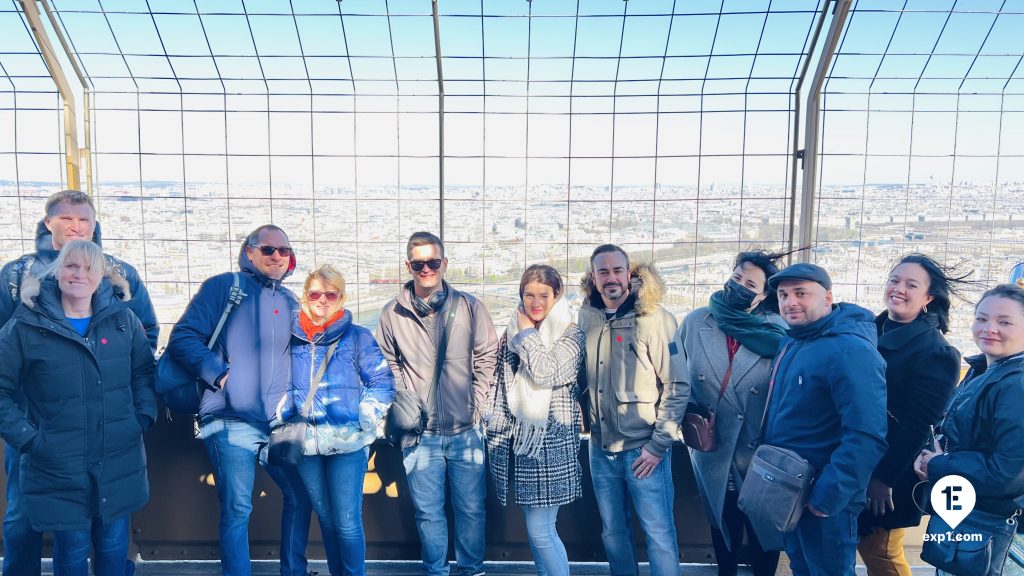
(809, 194)
(440, 120)
(798, 153)
(73, 154)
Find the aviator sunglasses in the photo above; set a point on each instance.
(417, 265)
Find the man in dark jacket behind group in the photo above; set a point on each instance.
(69, 215)
(246, 375)
(828, 405)
(451, 448)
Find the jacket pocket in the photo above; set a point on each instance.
(636, 411)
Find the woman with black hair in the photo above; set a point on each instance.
(921, 372)
(728, 348)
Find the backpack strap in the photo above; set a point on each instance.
(235, 296)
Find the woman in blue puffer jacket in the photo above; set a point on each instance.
(352, 396)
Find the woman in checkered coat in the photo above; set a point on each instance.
(534, 417)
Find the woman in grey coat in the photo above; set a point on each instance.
(729, 346)
(533, 430)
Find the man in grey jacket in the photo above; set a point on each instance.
(635, 408)
(452, 445)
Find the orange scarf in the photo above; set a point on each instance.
(311, 330)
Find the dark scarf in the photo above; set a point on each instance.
(754, 333)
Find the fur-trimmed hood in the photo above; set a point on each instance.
(113, 286)
(645, 286)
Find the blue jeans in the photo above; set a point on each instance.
(460, 459)
(548, 551)
(233, 446)
(23, 546)
(335, 488)
(109, 543)
(823, 546)
(614, 487)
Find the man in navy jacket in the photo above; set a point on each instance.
(247, 373)
(828, 405)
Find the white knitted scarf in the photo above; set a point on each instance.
(529, 403)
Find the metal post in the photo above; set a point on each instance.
(71, 151)
(796, 156)
(813, 111)
(84, 151)
(440, 118)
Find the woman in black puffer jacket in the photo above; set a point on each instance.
(76, 394)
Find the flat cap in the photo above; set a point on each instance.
(801, 271)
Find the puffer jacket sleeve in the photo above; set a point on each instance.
(999, 469)
(187, 344)
(9, 279)
(857, 378)
(141, 304)
(377, 378)
(675, 391)
(143, 376)
(555, 368)
(930, 383)
(14, 426)
(386, 341)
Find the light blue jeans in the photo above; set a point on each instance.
(615, 488)
(460, 460)
(233, 446)
(335, 487)
(548, 551)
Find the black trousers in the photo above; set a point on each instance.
(762, 562)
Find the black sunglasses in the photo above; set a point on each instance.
(284, 251)
(417, 265)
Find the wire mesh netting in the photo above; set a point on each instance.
(664, 126)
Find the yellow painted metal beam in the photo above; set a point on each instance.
(72, 153)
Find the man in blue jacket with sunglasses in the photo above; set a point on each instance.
(246, 375)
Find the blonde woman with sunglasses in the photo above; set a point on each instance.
(353, 386)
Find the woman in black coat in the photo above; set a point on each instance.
(921, 372)
(76, 394)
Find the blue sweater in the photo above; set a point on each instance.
(829, 403)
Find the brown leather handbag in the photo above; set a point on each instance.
(699, 428)
(699, 422)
